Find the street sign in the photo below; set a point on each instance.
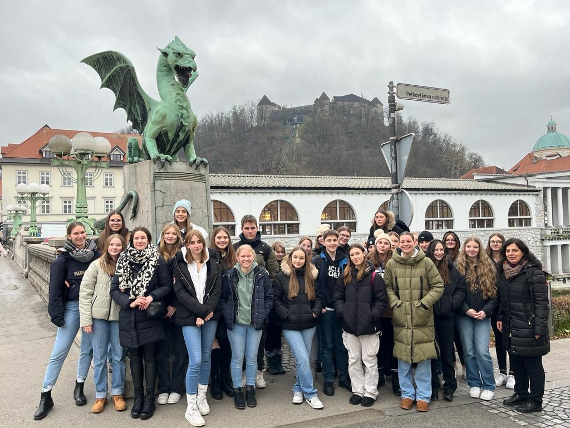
(427, 94)
(405, 205)
(403, 148)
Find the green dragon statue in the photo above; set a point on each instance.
(167, 125)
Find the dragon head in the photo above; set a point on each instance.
(181, 60)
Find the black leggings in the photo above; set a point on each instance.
(222, 357)
(386, 361)
(137, 355)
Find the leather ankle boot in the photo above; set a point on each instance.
(46, 404)
(137, 404)
(250, 396)
(148, 407)
(239, 400)
(396, 384)
(435, 393)
(216, 388)
(227, 387)
(78, 395)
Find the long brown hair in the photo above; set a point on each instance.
(124, 232)
(106, 261)
(203, 254)
(229, 258)
(376, 259)
(441, 265)
(163, 247)
(294, 283)
(351, 265)
(479, 274)
(488, 249)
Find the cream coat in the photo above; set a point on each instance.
(94, 298)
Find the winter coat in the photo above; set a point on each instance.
(453, 293)
(413, 285)
(264, 254)
(361, 304)
(474, 300)
(95, 298)
(261, 300)
(524, 311)
(189, 307)
(135, 328)
(298, 313)
(65, 268)
(327, 283)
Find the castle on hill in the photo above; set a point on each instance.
(268, 111)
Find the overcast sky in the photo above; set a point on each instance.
(505, 62)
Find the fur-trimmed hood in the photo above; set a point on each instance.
(287, 270)
(390, 223)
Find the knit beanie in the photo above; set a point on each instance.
(183, 203)
(383, 236)
(322, 229)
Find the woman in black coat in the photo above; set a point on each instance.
(360, 299)
(523, 320)
(141, 277)
(297, 303)
(444, 313)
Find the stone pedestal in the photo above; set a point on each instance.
(160, 187)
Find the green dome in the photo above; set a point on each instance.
(552, 139)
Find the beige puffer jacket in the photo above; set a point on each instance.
(94, 298)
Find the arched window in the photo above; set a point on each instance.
(279, 218)
(439, 216)
(339, 213)
(480, 215)
(223, 216)
(519, 214)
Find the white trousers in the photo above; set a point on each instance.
(362, 363)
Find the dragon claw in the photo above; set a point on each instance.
(197, 161)
(163, 159)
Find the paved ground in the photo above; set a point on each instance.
(27, 338)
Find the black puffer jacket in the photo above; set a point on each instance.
(189, 307)
(474, 300)
(361, 304)
(524, 311)
(135, 328)
(453, 293)
(298, 313)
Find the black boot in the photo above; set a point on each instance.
(435, 393)
(381, 379)
(136, 409)
(514, 400)
(46, 404)
(148, 407)
(239, 401)
(529, 407)
(278, 364)
(396, 384)
(250, 396)
(227, 387)
(272, 365)
(215, 388)
(78, 395)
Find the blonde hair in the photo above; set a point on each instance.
(106, 261)
(479, 274)
(244, 247)
(294, 283)
(164, 252)
(204, 254)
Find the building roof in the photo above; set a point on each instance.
(531, 164)
(324, 97)
(483, 170)
(246, 181)
(31, 147)
(350, 98)
(376, 101)
(552, 139)
(264, 101)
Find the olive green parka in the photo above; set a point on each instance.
(413, 285)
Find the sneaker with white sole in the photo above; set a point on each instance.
(297, 397)
(510, 382)
(315, 403)
(162, 398)
(487, 395)
(173, 398)
(475, 392)
(259, 380)
(499, 380)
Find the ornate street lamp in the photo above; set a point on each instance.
(81, 152)
(34, 193)
(15, 213)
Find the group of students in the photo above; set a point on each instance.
(217, 310)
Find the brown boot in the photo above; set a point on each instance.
(422, 406)
(406, 403)
(99, 405)
(120, 404)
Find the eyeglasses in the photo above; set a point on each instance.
(495, 242)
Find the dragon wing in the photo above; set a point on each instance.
(118, 74)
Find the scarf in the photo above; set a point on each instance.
(148, 258)
(512, 271)
(84, 255)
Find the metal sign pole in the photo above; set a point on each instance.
(393, 153)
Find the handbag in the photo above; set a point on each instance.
(156, 310)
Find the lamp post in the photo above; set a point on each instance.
(81, 152)
(34, 193)
(15, 213)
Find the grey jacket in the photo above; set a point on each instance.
(94, 298)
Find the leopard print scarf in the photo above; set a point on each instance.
(149, 260)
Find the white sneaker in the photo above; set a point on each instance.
(173, 398)
(192, 413)
(499, 380)
(315, 403)
(510, 382)
(259, 380)
(297, 398)
(201, 400)
(475, 392)
(162, 398)
(487, 395)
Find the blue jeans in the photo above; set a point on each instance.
(63, 341)
(475, 335)
(300, 342)
(106, 335)
(422, 377)
(244, 341)
(330, 336)
(199, 345)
